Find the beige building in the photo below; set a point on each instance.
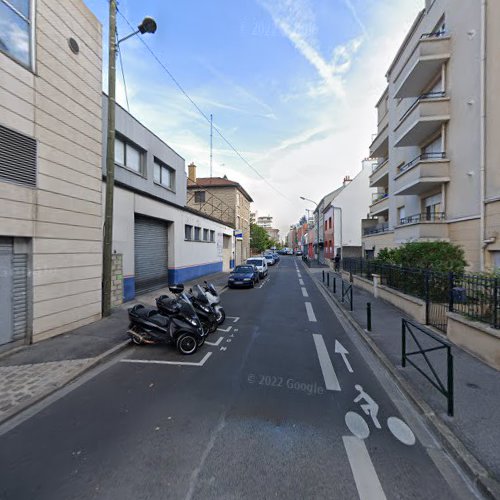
(50, 168)
(437, 173)
(225, 200)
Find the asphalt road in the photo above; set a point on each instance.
(259, 414)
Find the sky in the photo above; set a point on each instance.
(292, 84)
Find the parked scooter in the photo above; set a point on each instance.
(214, 300)
(204, 310)
(178, 324)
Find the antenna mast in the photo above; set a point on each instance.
(211, 140)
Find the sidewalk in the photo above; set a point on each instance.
(474, 432)
(33, 372)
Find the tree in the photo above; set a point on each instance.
(259, 239)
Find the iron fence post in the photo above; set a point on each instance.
(451, 280)
(450, 383)
(369, 316)
(342, 291)
(427, 298)
(334, 285)
(323, 276)
(495, 303)
(351, 297)
(403, 343)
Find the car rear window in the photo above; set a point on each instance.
(257, 262)
(244, 269)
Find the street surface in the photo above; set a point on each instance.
(262, 412)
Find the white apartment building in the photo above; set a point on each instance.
(438, 175)
(50, 168)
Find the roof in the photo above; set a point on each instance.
(206, 182)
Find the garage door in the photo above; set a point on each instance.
(151, 253)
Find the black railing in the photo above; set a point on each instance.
(426, 217)
(347, 293)
(346, 289)
(423, 157)
(379, 228)
(476, 297)
(434, 34)
(411, 328)
(429, 95)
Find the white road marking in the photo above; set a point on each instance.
(234, 318)
(357, 425)
(214, 343)
(228, 329)
(304, 292)
(159, 362)
(301, 282)
(310, 313)
(340, 349)
(401, 431)
(365, 476)
(331, 380)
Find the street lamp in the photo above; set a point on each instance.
(317, 234)
(148, 25)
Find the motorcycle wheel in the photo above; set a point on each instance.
(186, 343)
(221, 316)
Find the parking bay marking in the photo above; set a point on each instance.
(234, 318)
(331, 380)
(160, 362)
(310, 313)
(365, 476)
(214, 343)
(304, 292)
(228, 329)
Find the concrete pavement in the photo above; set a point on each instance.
(473, 433)
(271, 408)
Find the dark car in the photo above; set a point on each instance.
(276, 257)
(243, 276)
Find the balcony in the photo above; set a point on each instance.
(422, 227)
(380, 204)
(380, 144)
(380, 174)
(378, 229)
(432, 50)
(424, 117)
(425, 172)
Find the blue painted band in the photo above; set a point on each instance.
(128, 288)
(191, 273)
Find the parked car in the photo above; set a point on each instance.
(245, 275)
(269, 259)
(276, 257)
(260, 263)
(298, 252)
(289, 251)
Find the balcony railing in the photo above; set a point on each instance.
(428, 95)
(418, 218)
(434, 34)
(379, 196)
(423, 157)
(379, 165)
(379, 228)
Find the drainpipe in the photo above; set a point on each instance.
(482, 138)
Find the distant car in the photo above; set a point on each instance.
(298, 252)
(260, 263)
(276, 257)
(269, 259)
(245, 275)
(289, 251)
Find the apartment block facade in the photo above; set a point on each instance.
(50, 175)
(225, 200)
(437, 174)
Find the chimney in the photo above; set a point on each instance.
(192, 172)
(347, 179)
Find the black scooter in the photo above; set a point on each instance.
(178, 324)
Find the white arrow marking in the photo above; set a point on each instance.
(340, 349)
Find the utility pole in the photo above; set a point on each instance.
(110, 166)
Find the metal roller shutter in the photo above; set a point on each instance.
(151, 253)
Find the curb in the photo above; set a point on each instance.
(479, 475)
(39, 397)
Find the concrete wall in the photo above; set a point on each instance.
(60, 106)
(186, 259)
(466, 234)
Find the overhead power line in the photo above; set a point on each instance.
(202, 113)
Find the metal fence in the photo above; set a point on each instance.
(473, 296)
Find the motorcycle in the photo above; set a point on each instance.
(177, 325)
(204, 310)
(214, 300)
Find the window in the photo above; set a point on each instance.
(188, 232)
(205, 235)
(330, 222)
(128, 155)
(163, 175)
(401, 213)
(326, 225)
(197, 231)
(212, 236)
(199, 196)
(432, 207)
(15, 30)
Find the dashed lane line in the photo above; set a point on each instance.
(304, 292)
(310, 313)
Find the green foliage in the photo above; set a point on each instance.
(438, 256)
(259, 239)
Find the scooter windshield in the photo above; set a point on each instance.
(212, 289)
(200, 294)
(183, 297)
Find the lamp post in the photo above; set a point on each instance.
(317, 234)
(148, 25)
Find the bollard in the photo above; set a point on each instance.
(323, 276)
(328, 280)
(369, 316)
(334, 284)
